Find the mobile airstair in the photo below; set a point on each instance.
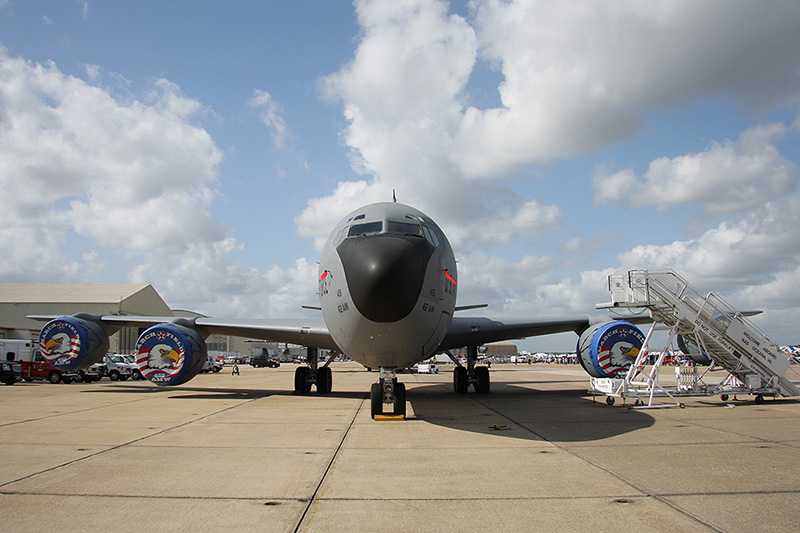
(755, 364)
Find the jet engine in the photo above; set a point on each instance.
(607, 350)
(170, 354)
(72, 342)
(693, 351)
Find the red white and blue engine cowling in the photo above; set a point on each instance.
(695, 353)
(608, 350)
(73, 342)
(170, 354)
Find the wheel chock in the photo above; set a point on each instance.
(384, 418)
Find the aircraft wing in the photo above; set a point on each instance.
(303, 331)
(475, 331)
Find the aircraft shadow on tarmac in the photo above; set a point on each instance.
(218, 393)
(515, 411)
(564, 415)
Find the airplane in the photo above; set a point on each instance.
(388, 281)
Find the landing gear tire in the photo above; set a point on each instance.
(301, 385)
(376, 400)
(400, 399)
(324, 380)
(460, 380)
(482, 376)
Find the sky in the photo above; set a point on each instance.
(208, 148)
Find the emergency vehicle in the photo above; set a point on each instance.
(34, 366)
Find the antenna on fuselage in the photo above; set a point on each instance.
(394, 197)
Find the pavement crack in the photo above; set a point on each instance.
(314, 496)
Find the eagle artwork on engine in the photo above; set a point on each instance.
(158, 355)
(61, 343)
(163, 356)
(170, 354)
(608, 350)
(58, 344)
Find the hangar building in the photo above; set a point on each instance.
(20, 299)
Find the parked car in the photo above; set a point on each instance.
(427, 367)
(264, 360)
(10, 372)
(211, 365)
(117, 368)
(93, 373)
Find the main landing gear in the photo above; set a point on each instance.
(388, 391)
(477, 376)
(305, 376)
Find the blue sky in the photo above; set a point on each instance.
(208, 148)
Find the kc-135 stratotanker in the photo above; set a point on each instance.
(387, 292)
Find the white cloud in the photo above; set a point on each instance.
(530, 286)
(136, 173)
(271, 115)
(84, 5)
(582, 75)
(87, 176)
(403, 95)
(576, 76)
(754, 251)
(728, 177)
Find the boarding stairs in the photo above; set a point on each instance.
(726, 336)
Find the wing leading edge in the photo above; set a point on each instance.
(310, 332)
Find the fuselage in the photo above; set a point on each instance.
(387, 285)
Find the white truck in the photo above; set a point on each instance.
(117, 369)
(428, 367)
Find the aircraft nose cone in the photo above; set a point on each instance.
(385, 273)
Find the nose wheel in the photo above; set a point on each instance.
(388, 391)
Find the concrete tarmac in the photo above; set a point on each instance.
(242, 453)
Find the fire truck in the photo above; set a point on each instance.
(34, 366)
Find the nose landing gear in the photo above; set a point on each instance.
(388, 391)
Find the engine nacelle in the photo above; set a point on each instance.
(608, 349)
(72, 342)
(693, 351)
(170, 354)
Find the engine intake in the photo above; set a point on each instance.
(73, 342)
(608, 350)
(697, 355)
(170, 354)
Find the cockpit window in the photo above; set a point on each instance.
(403, 228)
(431, 236)
(370, 228)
